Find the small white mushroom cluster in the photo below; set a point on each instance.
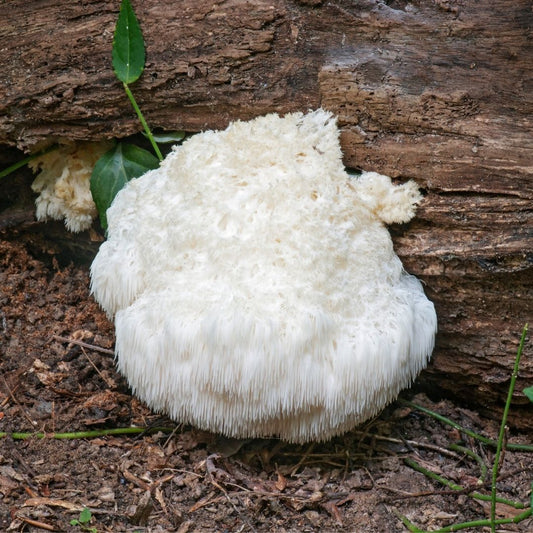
(254, 286)
(63, 183)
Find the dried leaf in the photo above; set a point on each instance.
(281, 483)
(7, 485)
(143, 510)
(334, 511)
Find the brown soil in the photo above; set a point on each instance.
(188, 480)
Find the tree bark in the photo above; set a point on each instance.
(436, 90)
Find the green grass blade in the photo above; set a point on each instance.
(87, 434)
(128, 45)
(25, 161)
(15, 166)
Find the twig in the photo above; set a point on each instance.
(12, 396)
(227, 497)
(15, 454)
(303, 459)
(36, 523)
(9, 396)
(424, 445)
(84, 344)
(171, 436)
(403, 495)
(513, 472)
(106, 381)
(136, 481)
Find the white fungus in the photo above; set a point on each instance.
(63, 183)
(254, 286)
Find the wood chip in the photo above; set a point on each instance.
(52, 502)
(143, 510)
(281, 483)
(37, 523)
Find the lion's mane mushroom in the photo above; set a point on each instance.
(255, 288)
(63, 183)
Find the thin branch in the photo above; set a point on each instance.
(104, 379)
(83, 344)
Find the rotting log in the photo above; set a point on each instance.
(437, 90)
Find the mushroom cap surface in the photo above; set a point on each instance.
(254, 286)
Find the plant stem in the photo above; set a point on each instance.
(407, 523)
(86, 434)
(143, 122)
(499, 447)
(475, 456)
(25, 161)
(454, 486)
(465, 525)
(15, 166)
(455, 425)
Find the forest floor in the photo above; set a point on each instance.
(185, 480)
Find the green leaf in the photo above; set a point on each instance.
(128, 45)
(114, 169)
(529, 393)
(85, 515)
(167, 136)
(74, 522)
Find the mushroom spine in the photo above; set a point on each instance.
(63, 183)
(254, 286)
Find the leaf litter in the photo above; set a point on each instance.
(57, 375)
